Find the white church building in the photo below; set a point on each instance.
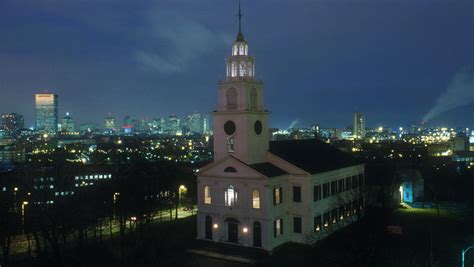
(259, 193)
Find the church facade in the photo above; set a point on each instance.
(262, 194)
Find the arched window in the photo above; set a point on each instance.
(230, 196)
(242, 69)
(249, 69)
(232, 98)
(230, 144)
(253, 99)
(207, 195)
(234, 69)
(234, 50)
(246, 49)
(256, 199)
(241, 49)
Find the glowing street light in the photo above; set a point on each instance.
(182, 191)
(245, 230)
(23, 215)
(215, 226)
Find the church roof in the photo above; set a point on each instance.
(268, 169)
(312, 156)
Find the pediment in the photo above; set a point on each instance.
(229, 167)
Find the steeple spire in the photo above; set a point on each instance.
(240, 18)
(240, 36)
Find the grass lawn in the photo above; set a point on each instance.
(366, 243)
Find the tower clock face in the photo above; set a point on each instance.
(258, 127)
(229, 127)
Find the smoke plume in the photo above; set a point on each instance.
(460, 92)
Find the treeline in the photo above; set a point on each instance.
(137, 195)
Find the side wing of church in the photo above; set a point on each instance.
(259, 193)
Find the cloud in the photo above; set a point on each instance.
(174, 41)
(459, 93)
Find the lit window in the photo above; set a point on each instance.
(278, 227)
(277, 195)
(207, 195)
(242, 69)
(255, 199)
(230, 196)
(326, 219)
(230, 144)
(234, 69)
(235, 50)
(317, 223)
(241, 49)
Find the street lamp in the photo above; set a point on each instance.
(23, 215)
(115, 196)
(15, 189)
(463, 252)
(182, 191)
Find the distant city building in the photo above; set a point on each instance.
(46, 113)
(173, 126)
(358, 126)
(206, 124)
(196, 123)
(157, 126)
(67, 124)
(460, 143)
(12, 123)
(127, 125)
(143, 126)
(88, 128)
(110, 125)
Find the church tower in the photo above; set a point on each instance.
(241, 120)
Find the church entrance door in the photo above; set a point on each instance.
(233, 232)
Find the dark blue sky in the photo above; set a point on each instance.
(321, 60)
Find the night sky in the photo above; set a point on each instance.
(397, 61)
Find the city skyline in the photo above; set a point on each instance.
(334, 59)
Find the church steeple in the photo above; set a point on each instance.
(241, 118)
(240, 65)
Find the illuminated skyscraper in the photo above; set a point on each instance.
(12, 123)
(46, 113)
(195, 123)
(359, 126)
(67, 124)
(110, 125)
